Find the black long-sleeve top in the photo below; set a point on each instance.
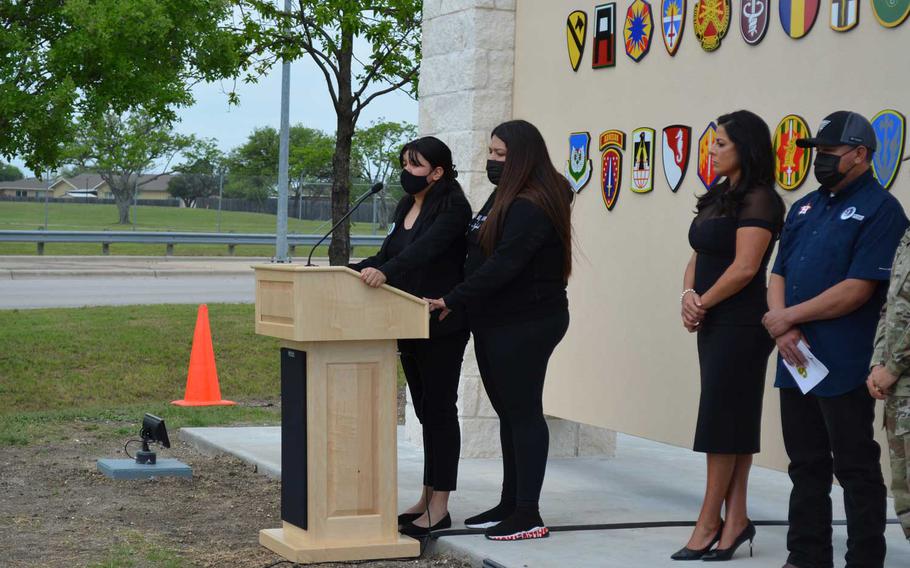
(522, 279)
(432, 260)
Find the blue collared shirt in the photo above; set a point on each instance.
(828, 238)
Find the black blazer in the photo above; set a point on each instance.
(433, 262)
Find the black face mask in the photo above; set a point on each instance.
(826, 171)
(494, 171)
(412, 184)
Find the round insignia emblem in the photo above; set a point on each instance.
(848, 212)
(712, 20)
(791, 163)
(391, 228)
(638, 29)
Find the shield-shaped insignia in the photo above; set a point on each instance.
(891, 13)
(642, 160)
(677, 140)
(712, 20)
(844, 15)
(791, 163)
(798, 16)
(576, 33)
(705, 167)
(638, 29)
(753, 20)
(604, 36)
(673, 14)
(612, 143)
(890, 128)
(578, 168)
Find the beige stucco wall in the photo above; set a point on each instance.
(627, 364)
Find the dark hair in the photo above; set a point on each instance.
(751, 139)
(438, 155)
(528, 173)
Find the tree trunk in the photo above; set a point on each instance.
(123, 207)
(340, 249)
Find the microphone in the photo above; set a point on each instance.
(377, 187)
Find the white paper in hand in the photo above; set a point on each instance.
(807, 377)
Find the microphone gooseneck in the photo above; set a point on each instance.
(377, 187)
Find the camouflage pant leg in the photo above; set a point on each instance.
(897, 423)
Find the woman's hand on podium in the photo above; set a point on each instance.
(372, 277)
(439, 304)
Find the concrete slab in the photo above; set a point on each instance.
(129, 469)
(645, 482)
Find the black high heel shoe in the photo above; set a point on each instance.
(686, 553)
(727, 553)
(406, 518)
(410, 529)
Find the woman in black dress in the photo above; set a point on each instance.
(723, 300)
(424, 255)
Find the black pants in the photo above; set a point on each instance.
(432, 368)
(825, 436)
(513, 363)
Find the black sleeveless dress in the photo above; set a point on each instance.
(733, 347)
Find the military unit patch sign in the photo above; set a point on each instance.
(612, 143)
(844, 15)
(798, 16)
(705, 167)
(638, 29)
(891, 13)
(604, 36)
(576, 32)
(673, 14)
(791, 163)
(753, 20)
(677, 140)
(578, 168)
(890, 127)
(712, 20)
(642, 160)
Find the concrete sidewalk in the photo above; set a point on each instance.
(646, 481)
(14, 267)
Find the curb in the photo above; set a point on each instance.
(189, 436)
(31, 274)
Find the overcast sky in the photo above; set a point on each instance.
(212, 117)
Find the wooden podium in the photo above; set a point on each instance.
(339, 469)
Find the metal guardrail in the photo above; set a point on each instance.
(231, 240)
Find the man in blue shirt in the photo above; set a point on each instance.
(827, 287)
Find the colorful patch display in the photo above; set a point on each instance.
(705, 167)
(638, 30)
(642, 160)
(844, 15)
(578, 168)
(612, 143)
(890, 128)
(798, 16)
(891, 13)
(604, 36)
(791, 163)
(712, 20)
(754, 16)
(673, 14)
(576, 34)
(677, 140)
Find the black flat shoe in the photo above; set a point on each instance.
(410, 529)
(686, 553)
(720, 554)
(406, 518)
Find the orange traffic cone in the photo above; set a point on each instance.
(202, 381)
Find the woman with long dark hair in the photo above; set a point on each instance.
(514, 293)
(723, 300)
(424, 254)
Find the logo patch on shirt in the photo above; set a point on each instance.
(848, 212)
(391, 228)
(805, 209)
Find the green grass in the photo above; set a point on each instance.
(136, 551)
(67, 372)
(18, 216)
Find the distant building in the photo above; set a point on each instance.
(82, 186)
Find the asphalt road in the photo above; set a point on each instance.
(117, 291)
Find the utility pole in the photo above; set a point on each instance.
(281, 232)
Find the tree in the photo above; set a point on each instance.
(254, 164)
(63, 60)
(198, 174)
(121, 148)
(376, 150)
(9, 172)
(325, 30)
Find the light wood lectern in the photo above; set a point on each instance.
(339, 469)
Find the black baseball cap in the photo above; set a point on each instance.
(842, 127)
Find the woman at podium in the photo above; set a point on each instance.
(514, 293)
(423, 255)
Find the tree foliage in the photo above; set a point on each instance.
(325, 31)
(9, 172)
(198, 174)
(376, 150)
(73, 61)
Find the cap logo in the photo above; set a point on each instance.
(823, 125)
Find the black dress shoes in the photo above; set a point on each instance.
(686, 553)
(406, 518)
(719, 554)
(410, 529)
